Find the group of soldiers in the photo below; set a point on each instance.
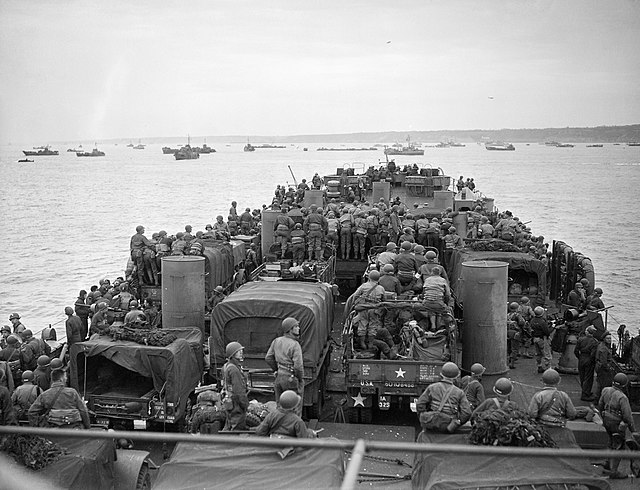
(450, 403)
(33, 382)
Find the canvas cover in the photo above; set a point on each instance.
(219, 264)
(229, 467)
(180, 364)
(516, 260)
(252, 316)
(438, 471)
(88, 464)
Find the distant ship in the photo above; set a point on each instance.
(139, 146)
(499, 146)
(266, 145)
(170, 151)
(633, 144)
(249, 147)
(41, 151)
(186, 152)
(322, 148)
(450, 144)
(205, 149)
(595, 146)
(75, 150)
(410, 149)
(94, 153)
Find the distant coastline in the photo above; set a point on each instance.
(597, 134)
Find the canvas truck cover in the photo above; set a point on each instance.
(89, 463)
(219, 264)
(229, 467)
(516, 260)
(180, 364)
(439, 471)
(252, 315)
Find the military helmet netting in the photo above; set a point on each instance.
(551, 377)
(289, 323)
(503, 387)
(232, 348)
(208, 396)
(289, 400)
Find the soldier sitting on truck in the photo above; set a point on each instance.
(436, 296)
(282, 227)
(207, 417)
(367, 293)
(284, 421)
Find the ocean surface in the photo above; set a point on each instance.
(66, 221)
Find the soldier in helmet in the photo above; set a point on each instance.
(11, 355)
(502, 388)
(99, 324)
(7, 413)
(604, 364)
(298, 244)
(577, 297)
(74, 327)
(207, 417)
(284, 421)
(18, 327)
(550, 406)
(617, 418)
(235, 385)
(594, 301)
(6, 331)
(515, 324)
(138, 243)
(285, 358)
(585, 351)
(246, 222)
(540, 334)
(472, 387)
(282, 227)
(443, 407)
(42, 373)
(24, 395)
(135, 314)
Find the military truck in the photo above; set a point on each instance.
(127, 385)
(378, 382)
(252, 315)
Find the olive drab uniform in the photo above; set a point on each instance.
(615, 408)
(316, 226)
(282, 228)
(346, 223)
(447, 399)
(235, 385)
(604, 367)
(359, 237)
(298, 244)
(333, 228)
(285, 357)
(138, 243)
(585, 351)
(515, 324)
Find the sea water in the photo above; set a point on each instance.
(66, 221)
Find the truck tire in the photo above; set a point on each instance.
(144, 478)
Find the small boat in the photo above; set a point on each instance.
(24, 160)
(93, 153)
(205, 149)
(40, 151)
(266, 145)
(633, 144)
(139, 146)
(564, 145)
(595, 146)
(169, 151)
(499, 146)
(410, 149)
(130, 145)
(186, 152)
(249, 147)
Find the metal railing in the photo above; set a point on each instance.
(358, 447)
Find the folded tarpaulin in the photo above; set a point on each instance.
(440, 471)
(229, 467)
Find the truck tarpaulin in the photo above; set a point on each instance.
(439, 471)
(516, 260)
(253, 314)
(179, 365)
(219, 264)
(230, 467)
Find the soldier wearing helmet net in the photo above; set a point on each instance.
(502, 389)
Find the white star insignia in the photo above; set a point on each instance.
(359, 400)
(400, 373)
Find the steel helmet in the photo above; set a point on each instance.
(374, 275)
(289, 400)
(14, 316)
(419, 249)
(26, 334)
(513, 306)
(220, 289)
(12, 339)
(43, 361)
(449, 370)
(591, 329)
(27, 375)
(391, 246)
(477, 369)
(503, 387)
(430, 254)
(289, 323)
(232, 348)
(620, 380)
(388, 268)
(597, 290)
(133, 303)
(524, 300)
(56, 364)
(551, 377)
(538, 311)
(139, 229)
(406, 245)
(452, 229)
(68, 310)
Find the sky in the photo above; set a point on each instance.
(92, 70)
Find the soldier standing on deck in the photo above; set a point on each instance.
(236, 386)
(585, 351)
(138, 243)
(604, 364)
(285, 358)
(18, 327)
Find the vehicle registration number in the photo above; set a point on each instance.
(140, 424)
